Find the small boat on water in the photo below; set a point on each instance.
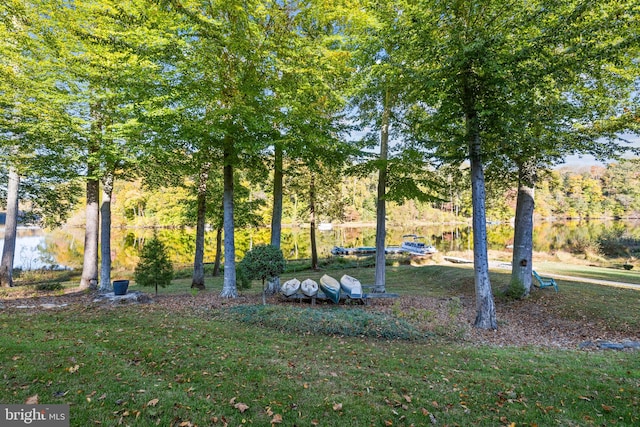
(325, 226)
(415, 245)
(393, 250)
(458, 260)
(360, 250)
(330, 287)
(351, 286)
(290, 287)
(309, 287)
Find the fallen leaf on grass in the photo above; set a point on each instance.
(153, 402)
(73, 369)
(277, 419)
(337, 406)
(241, 407)
(222, 420)
(407, 398)
(33, 400)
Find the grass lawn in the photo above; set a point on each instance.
(153, 364)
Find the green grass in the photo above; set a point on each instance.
(112, 365)
(146, 365)
(592, 272)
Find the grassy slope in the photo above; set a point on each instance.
(145, 365)
(113, 364)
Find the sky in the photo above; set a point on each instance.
(587, 160)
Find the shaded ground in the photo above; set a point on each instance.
(535, 321)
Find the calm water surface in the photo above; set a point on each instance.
(37, 248)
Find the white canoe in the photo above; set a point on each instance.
(290, 287)
(351, 286)
(330, 287)
(309, 287)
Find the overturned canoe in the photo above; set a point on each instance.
(330, 287)
(309, 287)
(290, 287)
(351, 286)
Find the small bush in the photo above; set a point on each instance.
(242, 281)
(54, 286)
(262, 262)
(584, 245)
(515, 290)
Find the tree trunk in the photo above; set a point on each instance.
(89, 279)
(522, 261)
(216, 264)
(312, 220)
(229, 288)
(105, 234)
(273, 284)
(197, 281)
(10, 230)
(485, 307)
(381, 203)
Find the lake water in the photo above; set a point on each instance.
(30, 253)
(38, 248)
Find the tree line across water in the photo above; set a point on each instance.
(596, 192)
(222, 95)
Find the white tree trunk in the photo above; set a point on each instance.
(522, 261)
(229, 288)
(485, 307)
(381, 203)
(10, 230)
(105, 234)
(89, 279)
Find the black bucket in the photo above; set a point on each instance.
(120, 287)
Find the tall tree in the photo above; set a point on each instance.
(33, 123)
(456, 56)
(572, 96)
(377, 90)
(310, 56)
(105, 46)
(222, 72)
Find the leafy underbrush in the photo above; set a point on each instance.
(353, 322)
